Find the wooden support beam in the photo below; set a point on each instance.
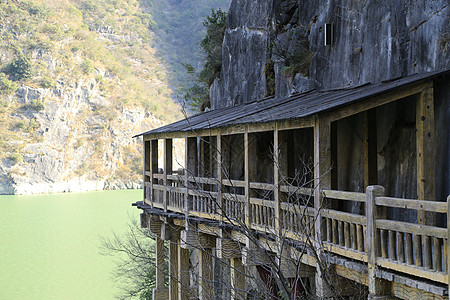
(425, 151)
(370, 148)
(153, 168)
(173, 270)
(189, 239)
(160, 292)
(247, 179)
(322, 181)
(145, 220)
(167, 168)
(255, 256)
(205, 267)
(147, 168)
(219, 173)
(155, 226)
(170, 231)
(228, 248)
(237, 271)
(183, 273)
(377, 286)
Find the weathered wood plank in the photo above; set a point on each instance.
(344, 216)
(425, 152)
(370, 148)
(348, 196)
(235, 183)
(412, 228)
(426, 205)
(413, 270)
(173, 270)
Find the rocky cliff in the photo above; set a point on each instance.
(277, 47)
(77, 80)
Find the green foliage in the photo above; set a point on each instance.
(212, 45)
(21, 68)
(87, 67)
(37, 105)
(47, 82)
(197, 95)
(21, 125)
(7, 87)
(16, 158)
(298, 62)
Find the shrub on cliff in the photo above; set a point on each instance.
(7, 87)
(16, 158)
(197, 95)
(21, 68)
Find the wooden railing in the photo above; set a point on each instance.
(369, 237)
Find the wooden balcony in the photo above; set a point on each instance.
(415, 251)
(311, 174)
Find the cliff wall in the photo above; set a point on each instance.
(277, 47)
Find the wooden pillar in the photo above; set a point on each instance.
(276, 182)
(377, 286)
(446, 247)
(167, 168)
(237, 279)
(183, 273)
(247, 177)
(153, 167)
(205, 267)
(370, 148)
(173, 270)
(219, 173)
(147, 171)
(160, 292)
(425, 151)
(322, 180)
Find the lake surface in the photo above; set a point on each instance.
(49, 244)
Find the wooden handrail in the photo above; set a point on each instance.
(205, 180)
(232, 182)
(296, 190)
(296, 208)
(262, 202)
(262, 186)
(233, 197)
(343, 216)
(412, 228)
(440, 207)
(348, 196)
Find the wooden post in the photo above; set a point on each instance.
(167, 168)
(377, 286)
(191, 169)
(322, 180)
(205, 285)
(425, 146)
(183, 273)
(147, 168)
(173, 270)
(237, 279)
(370, 148)
(446, 247)
(222, 210)
(153, 167)
(276, 182)
(160, 292)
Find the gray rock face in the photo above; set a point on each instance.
(373, 41)
(77, 150)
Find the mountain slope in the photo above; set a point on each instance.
(78, 79)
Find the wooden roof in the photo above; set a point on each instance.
(293, 107)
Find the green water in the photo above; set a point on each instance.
(49, 244)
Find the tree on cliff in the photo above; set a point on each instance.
(197, 95)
